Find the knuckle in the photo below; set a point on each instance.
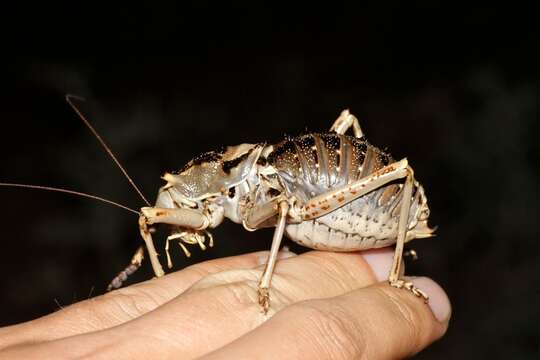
(236, 287)
(330, 329)
(242, 294)
(241, 287)
(224, 278)
(131, 303)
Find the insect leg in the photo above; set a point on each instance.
(180, 217)
(147, 237)
(260, 213)
(135, 264)
(169, 260)
(332, 200)
(264, 284)
(344, 122)
(393, 277)
(187, 218)
(168, 241)
(325, 203)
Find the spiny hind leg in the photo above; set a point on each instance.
(394, 278)
(327, 202)
(344, 122)
(408, 285)
(333, 199)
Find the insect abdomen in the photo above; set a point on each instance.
(364, 223)
(318, 235)
(312, 164)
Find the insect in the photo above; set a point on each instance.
(326, 191)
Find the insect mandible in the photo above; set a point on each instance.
(326, 191)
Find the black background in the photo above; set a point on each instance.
(453, 89)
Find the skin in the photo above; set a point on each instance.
(324, 305)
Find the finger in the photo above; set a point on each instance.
(173, 284)
(294, 279)
(225, 306)
(123, 304)
(215, 313)
(377, 322)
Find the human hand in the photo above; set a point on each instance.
(322, 305)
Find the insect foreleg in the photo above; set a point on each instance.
(152, 254)
(180, 217)
(187, 218)
(344, 122)
(264, 284)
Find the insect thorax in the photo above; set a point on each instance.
(213, 182)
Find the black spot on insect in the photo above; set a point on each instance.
(306, 145)
(359, 146)
(306, 141)
(273, 192)
(206, 157)
(285, 147)
(331, 141)
(232, 192)
(261, 161)
(359, 150)
(385, 159)
(227, 166)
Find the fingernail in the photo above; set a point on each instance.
(284, 254)
(438, 300)
(380, 261)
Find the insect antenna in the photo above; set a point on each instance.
(139, 254)
(72, 192)
(138, 257)
(69, 98)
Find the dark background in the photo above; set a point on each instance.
(453, 89)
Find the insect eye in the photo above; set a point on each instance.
(232, 192)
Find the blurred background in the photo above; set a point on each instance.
(455, 90)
